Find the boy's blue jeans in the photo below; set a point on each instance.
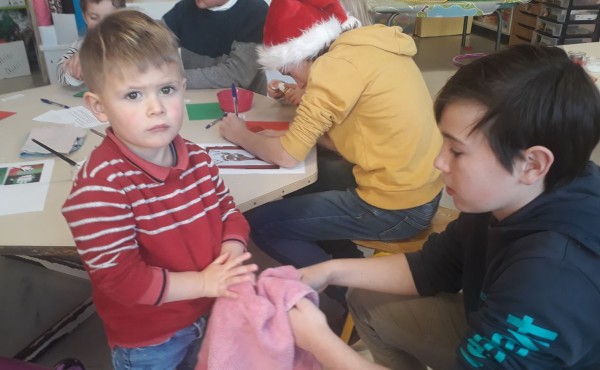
(179, 352)
(288, 229)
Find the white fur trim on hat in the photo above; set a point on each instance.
(305, 46)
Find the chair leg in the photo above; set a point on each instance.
(347, 330)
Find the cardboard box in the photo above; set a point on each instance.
(13, 60)
(431, 27)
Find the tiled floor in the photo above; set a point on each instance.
(33, 297)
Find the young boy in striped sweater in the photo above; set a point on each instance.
(68, 68)
(154, 224)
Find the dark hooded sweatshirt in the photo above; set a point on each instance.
(531, 282)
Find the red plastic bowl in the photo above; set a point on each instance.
(464, 59)
(244, 100)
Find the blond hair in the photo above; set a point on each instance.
(125, 39)
(115, 3)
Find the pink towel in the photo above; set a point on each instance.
(253, 331)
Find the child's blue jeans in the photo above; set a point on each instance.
(179, 352)
(288, 230)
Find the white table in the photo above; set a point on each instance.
(41, 236)
(46, 232)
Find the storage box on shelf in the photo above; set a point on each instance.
(523, 23)
(564, 22)
(433, 27)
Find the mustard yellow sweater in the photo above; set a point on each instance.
(367, 94)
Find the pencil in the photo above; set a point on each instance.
(48, 101)
(97, 132)
(59, 155)
(216, 121)
(234, 97)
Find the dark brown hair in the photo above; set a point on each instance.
(534, 96)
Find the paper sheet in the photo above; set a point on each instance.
(232, 159)
(78, 116)
(24, 186)
(4, 114)
(63, 139)
(258, 126)
(202, 111)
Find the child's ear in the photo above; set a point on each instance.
(94, 104)
(535, 164)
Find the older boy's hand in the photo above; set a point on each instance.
(308, 323)
(224, 272)
(233, 128)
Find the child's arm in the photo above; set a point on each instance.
(325, 142)
(235, 226)
(313, 335)
(388, 274)
(68, 69)
(234, 248)
(240, 66)
(213, 281)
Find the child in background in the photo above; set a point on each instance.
(519, 127)
(292, 92)
(68, 69)
(154, 224)
(218, 42)
(365, 98)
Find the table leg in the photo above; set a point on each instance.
(499, 29)
(390, 20)
(463, 40)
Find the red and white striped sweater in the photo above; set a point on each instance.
(133, 221)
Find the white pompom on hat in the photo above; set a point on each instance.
(297, 30)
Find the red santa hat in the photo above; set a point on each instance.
(296, 30)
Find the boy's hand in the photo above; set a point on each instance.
(315, 276)
(308, 323)
(294, 94)
(273, 90)
(225, 271)
(74, 67)
(233, 128)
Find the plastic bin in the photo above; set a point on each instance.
(560, 15)
(555, 29)
(574, 3)
(541, 39)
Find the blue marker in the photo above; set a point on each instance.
(234, 97)
(54, 103)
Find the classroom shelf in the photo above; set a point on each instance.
(490, 22)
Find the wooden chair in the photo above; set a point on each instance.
(440, 220)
